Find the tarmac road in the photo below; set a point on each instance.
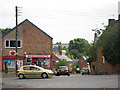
(73, 81)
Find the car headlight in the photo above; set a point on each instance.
(50, 71)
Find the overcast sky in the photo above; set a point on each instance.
(64, 20)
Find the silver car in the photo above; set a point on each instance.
(85, 71)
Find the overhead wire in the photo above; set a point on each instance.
(62, 14)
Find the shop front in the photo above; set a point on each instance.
(39, 60)
(9, 63)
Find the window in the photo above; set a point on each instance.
(12, 43)
(26, 68)
(7, 43)
(28, 61)
(33, 68)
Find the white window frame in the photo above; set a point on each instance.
(13, 40)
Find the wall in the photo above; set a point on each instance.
(12, 36)
(106, 67)
(82, 63)
(34, 41)
(0, 54)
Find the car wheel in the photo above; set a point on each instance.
(57, 74)
(44, 75)
(68, 74)
(82, 74)
(21, 76)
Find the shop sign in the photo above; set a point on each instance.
(44, 56)
(12, 52)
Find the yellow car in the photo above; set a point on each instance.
(33, 71)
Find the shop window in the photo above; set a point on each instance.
(12, 43)
(28, 61)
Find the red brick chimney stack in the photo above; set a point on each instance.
(110, 21)
(119, 17)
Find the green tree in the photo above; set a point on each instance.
(70, 56)
(92, 53)
(62, 63)
(110, 42)
(78, 47)
(59, 47)
(4, 30)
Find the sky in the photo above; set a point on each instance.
(64, 20)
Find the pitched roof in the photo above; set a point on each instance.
(64, 57)
(26, 20)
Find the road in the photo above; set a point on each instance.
(73, 81)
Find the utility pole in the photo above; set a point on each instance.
(16, 10)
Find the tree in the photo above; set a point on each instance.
(92, 53)
(75, 53)
(110, 42)
(78, 47)
(4, 30)
(59, 47)
(70, 56)
(62, 63)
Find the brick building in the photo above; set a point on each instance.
(82, 63)
(101, 66)
(0, 53)
(34, 46)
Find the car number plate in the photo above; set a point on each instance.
(62, 70)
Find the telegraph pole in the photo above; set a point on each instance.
(16, 10)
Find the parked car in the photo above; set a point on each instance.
(33, 71)
(85, 71)
(77, 69)
(63, 70)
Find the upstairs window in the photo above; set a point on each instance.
(12, 43)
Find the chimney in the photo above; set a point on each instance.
(119, 17)
(60, 52)
(110, 21)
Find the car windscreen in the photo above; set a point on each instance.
(64, 68)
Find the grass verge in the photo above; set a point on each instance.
(2, 83)
(7, 74)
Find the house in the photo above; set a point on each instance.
(0, 52)
(34, 47)
(62, 56)
(101, 66)
(55, 59)
(81, 63)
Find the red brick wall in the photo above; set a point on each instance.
(34, 41)
(54, 59)
(82, 63)
(0, 55)
(106, 66)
